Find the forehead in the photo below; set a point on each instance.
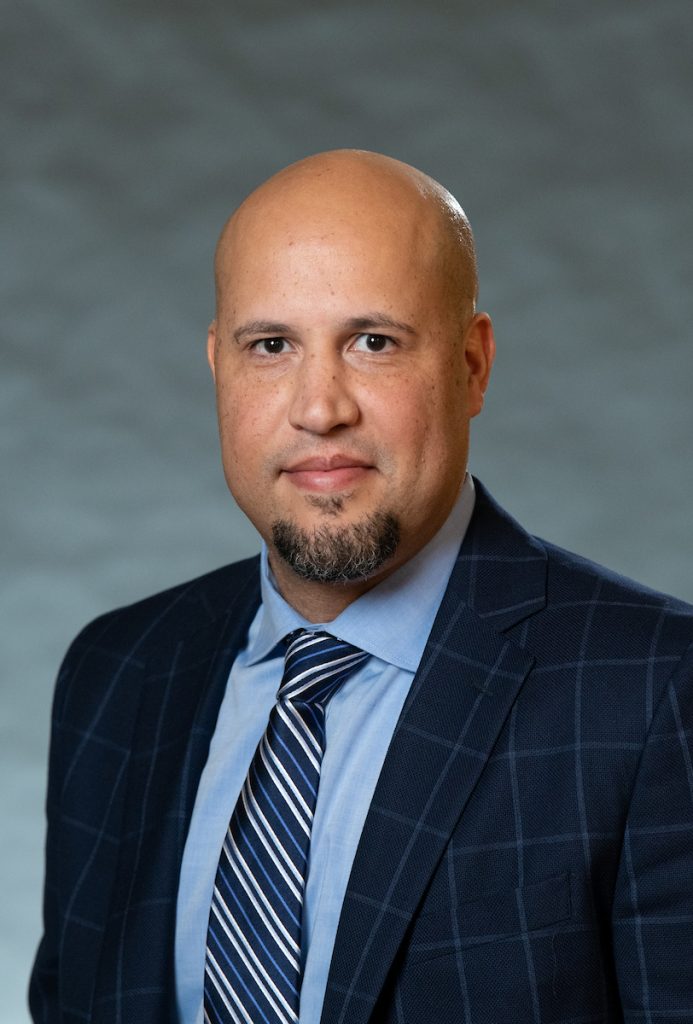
(376, 254)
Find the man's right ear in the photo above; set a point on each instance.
(211, 346)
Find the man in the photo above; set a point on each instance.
(503, 828)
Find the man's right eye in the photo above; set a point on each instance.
(270, 346)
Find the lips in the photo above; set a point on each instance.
(326, 464)
(327, 473)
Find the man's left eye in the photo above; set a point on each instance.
(373, 342)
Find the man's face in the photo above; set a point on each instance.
(346, 377)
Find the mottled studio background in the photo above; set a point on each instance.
(129, 130)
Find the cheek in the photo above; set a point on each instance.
(438, 426)
(243, 411)
(240, 431)
(241, 440)
(428, 410)
(409, 431)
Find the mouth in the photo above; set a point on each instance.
(327, 474)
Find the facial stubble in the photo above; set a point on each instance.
(338, 554)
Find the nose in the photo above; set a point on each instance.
(322, 399)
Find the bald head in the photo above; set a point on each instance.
(344, 189)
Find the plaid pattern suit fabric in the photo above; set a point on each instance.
(528, 853)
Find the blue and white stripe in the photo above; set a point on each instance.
(253, 966)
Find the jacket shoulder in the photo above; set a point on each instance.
(184, 607)
(581, 575)
(122, 640)
(617, 609)
(571, 607)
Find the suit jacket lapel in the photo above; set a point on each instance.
(468, 678)
(179, 703)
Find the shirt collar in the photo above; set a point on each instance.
(393, 620)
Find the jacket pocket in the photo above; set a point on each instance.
(493, 917)
(507, 957)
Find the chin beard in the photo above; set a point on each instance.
(337, 554)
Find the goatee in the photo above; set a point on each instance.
(338, 554)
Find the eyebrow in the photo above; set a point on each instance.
(261, 327)
(354, 323)
(363, 323)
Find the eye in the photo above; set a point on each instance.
(270, 346)
(373, 342)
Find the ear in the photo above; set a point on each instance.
(212, 346)
(479, 352)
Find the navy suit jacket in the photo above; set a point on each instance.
(528, 853)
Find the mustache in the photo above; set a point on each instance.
(329, 452)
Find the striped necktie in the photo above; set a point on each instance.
(253, 964)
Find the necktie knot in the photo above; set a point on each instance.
(315, 665)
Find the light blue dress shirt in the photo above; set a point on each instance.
(392, 622)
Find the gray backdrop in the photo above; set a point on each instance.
(129, 131)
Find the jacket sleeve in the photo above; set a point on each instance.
(65, 862)
(43, 984)
(653, 907)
